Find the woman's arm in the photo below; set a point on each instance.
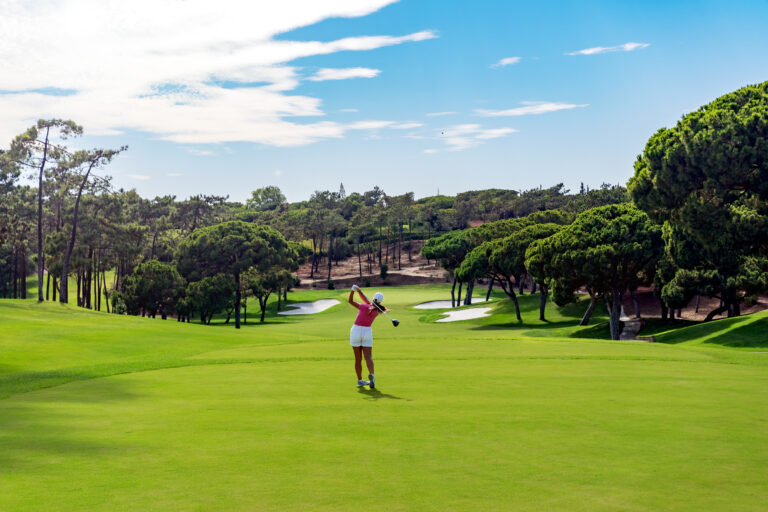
(352, 302)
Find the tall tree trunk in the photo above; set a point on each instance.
(359, 261)
(458, 301)
(543, 292)
(520, 283)
(314, 256)
(379, 244)
(400, 248)
(410, 238)
(330, 249)
(15, 272)
(64, 295)
(279, 298)
(664, 311)
(509, 289)
(617, 297)
(54, 288)
(237, 301)
(23, 274)
(533, 284)
(490, 287)
(588, 313)
(79, 303)
(453, 293)
(698, 300)
(47, 286)
(106, 292)
(470, 290)
(40, 253)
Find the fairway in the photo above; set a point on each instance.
(105, 412)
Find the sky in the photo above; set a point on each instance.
(411, 96)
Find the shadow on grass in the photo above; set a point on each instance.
(753, 334)
(375, 394)
(55, 439)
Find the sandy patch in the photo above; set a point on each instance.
(465, 314)
(444, 304)
(310, 308)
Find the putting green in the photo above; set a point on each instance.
(478, 415)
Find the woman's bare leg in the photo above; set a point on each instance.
(358, 361)
(368, 352)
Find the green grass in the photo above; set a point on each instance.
(743, 332)
(104, 412)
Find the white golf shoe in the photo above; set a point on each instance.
(361, 383)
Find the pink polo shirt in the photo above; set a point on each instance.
(366, 314)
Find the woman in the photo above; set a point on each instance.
(361, 335)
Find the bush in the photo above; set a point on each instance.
(331, 286)
(383, 271)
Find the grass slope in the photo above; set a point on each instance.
(486, 414)
(746, 332)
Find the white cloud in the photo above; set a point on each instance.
(530, 108)
(142, 177)
(278, 172)
(430, 151)
(159, 67)
(437, 114)
(343, 74)
(200, 152)
(406, 126)
(507, 61)
(349, 110)
(626, 47)
(465, 136)
(173, 174)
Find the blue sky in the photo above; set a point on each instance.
(228, 120)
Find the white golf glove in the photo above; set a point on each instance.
(355, 288)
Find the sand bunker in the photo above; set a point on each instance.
(309, 308)
(465, 314)
(444, 304)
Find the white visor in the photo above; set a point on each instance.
(378, 297)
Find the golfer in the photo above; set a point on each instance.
(361, 335)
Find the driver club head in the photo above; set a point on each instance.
(395, 322)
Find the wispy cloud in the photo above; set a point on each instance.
(173, 174)
(530, 108)
(168, 79)
(277, 172)
(626, 47)
(438, 114)
(200, 152)
(430, 151)
(142, 177)
(343, 74)
(349, 110)
(506, 61)
(407, 126)
(465, 136)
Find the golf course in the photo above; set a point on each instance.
(106, 412)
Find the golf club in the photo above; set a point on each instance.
(394, 322)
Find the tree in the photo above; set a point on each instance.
(230, 248)
(87, 161)
(707, 177)
(450, 249)
(153, 287)
(265, 198)
(607, 249)
(34, 148)
(210, 295)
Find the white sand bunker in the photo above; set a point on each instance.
(309, 308)
(443, 304)
(465, 314)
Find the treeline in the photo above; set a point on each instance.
(698, 225)
(112, 244)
